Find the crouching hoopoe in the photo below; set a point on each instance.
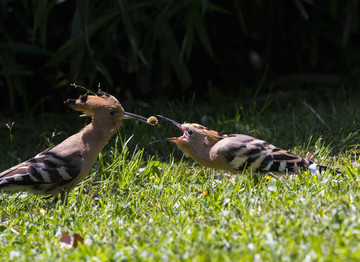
(236, 152)
(60, 168)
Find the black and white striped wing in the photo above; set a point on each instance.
(280, 160)
(248, 153)
(42, 173)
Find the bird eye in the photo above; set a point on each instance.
(112, 113)
(190, 132)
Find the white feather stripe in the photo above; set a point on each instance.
(62, 171)
(256, 164)
(45, 175)
(282, 166)
(49, 158)
(18, 178)
(269, 165)
(238, 161)
(40, 155)
(34, 179)
(55, 160)
(37, 165)
(21, 167)
(313, 168)
(17, 167)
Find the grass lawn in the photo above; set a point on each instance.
(146, 202)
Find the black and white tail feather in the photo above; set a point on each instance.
(313, 168)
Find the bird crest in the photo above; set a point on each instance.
(88, 104)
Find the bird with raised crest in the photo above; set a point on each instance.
(60, 168)
(237, 153)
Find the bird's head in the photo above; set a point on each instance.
(194, 136)
(104, 109)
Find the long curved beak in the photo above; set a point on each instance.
(173, 139)
(127, 115)
(172, 121)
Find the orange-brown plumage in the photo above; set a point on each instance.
(58, 169)
(236, 152)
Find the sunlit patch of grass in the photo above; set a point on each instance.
(139, 206)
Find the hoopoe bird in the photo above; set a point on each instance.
(236, 152)
(60, 168)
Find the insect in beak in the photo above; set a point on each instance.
(127, 115)
(173, 139)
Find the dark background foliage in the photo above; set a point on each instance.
(141, 50)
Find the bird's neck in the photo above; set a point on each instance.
(106, 127)
(200, 154)
(95, 137)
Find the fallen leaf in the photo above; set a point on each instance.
(78, 239)
(66, 241)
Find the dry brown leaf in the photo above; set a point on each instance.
(66, 241)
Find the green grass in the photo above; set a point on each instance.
(146, 202)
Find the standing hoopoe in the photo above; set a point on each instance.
(236, 152)
(60, 168)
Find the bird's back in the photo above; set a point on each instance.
(245, 152)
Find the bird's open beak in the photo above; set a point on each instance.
(173, 139)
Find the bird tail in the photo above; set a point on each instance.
(313, 167)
